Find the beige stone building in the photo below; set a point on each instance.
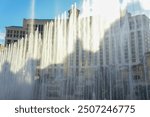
(38, 25)
(14, 33)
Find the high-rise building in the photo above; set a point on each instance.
(139, 35)
(128, 39)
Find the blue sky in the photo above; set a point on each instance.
(12, 12)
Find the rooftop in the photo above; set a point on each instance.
(14, 27)
(40, 19)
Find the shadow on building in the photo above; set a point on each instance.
(87, 80)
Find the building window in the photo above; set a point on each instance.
(131, 25)
(8, 41)
(8, 31)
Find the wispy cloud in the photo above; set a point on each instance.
(2, 38)
(2, 35)
(145, 4)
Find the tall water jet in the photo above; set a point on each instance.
(32, 16)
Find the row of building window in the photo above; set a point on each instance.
(15, 31)
(137, 23)
(40, 28)
(15, 34)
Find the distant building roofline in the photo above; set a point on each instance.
(39, 19)
(142, 14)
(14, 27)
